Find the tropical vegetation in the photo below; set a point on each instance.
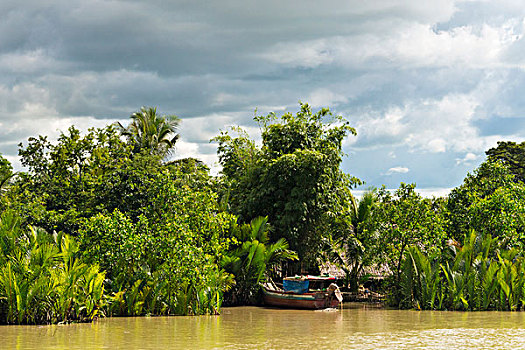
(151, 132)
(42, 278)
(294, 178)
(105, 223)
(477, 276)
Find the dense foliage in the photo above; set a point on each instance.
(42, 279)
(252, 259)
(405, 219)
(294, 178)
(73, 178)
(152, 263)
(482, 266)
(101, 224)
(355, 244)
(155, 229)
(477, 276)
(151, 132)
(490, 201)
(6, 171)
(511, 154)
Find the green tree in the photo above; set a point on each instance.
(42, 280)
(294, 178)
(404, 219)
(490, 201)
(151, 132)
(6, 171)
(511, 154)
(193, 172)
(166, 261)
(84, 174)
(64, 179)
(6, 177)
(502, 215)
(477, 276)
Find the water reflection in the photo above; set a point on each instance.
(263, 328)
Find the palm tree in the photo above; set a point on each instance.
(152, 132)
(362, 238)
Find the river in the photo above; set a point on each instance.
(355, 327)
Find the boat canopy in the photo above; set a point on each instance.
(328, 278)
(302, 284)
(299, 286)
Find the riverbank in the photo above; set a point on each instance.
(363, 297)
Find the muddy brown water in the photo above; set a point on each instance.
(354, 327)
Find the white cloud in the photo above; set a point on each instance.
(405, 45)
(433, 192)
(390, 125)
(435, 125)
(434, 121)
(468, 159)
(466, 46)
(204, 128)
(424, 192)
(32, 61)
(397, 170)
(437, 145)
(185, 149)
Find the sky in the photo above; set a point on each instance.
(429, 85)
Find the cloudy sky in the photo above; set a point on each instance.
(429, 85)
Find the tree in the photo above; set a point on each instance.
(82, 175)
(294, 178)
(42, 280)
(490, 201)
(476, 276)
(193, 172)
(510, 154)
(404, 219)
(6, 176)
(151, 132)
(166, 261)
(64, 180)
(501, 215)
(6, 171)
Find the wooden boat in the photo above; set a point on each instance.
(303, 292)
